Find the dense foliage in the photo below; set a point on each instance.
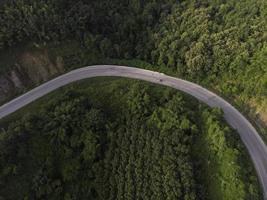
(122, 140)
(220, 43)
(148, 144)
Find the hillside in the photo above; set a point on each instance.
(221, 45)
(122, 139)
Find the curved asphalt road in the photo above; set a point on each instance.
(256, 147)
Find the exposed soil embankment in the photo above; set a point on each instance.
(28, 70)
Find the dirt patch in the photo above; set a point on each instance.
(27, 69)
(5, 87)
(260, 110)
(39, 67)
(16, 79)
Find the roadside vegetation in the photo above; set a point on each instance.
(120, 139)
(220, 44)
(109, 138)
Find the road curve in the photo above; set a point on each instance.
(253, 142)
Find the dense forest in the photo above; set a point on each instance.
(221, 44)
(121, 139)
